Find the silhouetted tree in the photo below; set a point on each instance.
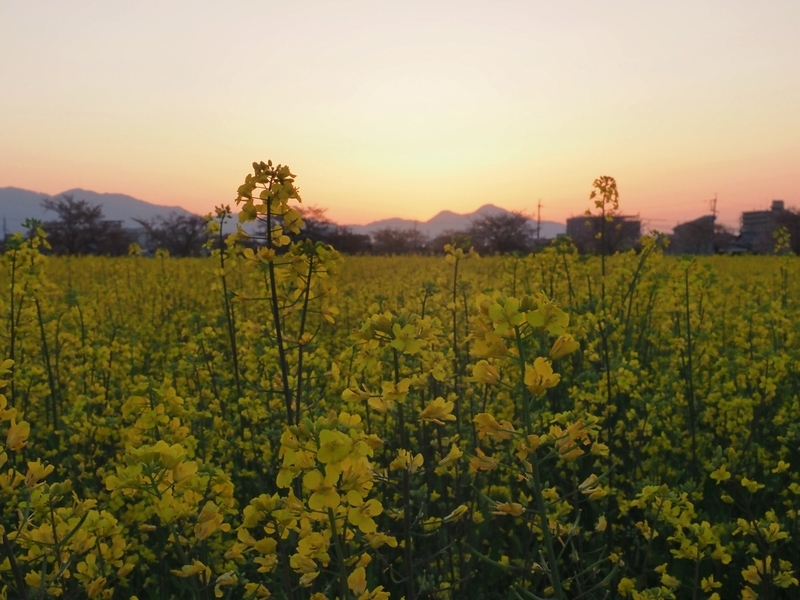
(345, 240)
(462, 239)
(723, 238)
(180, 235)
(594, 234)
(397, 241)
(790, 219)
(318, 228)
(81, 229)
(501, 234)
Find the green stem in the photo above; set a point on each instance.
(340, 558)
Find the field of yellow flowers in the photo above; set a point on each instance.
(277, 421)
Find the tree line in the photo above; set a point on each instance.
(80, 228)
(490, 234)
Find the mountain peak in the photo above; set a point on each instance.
(17, 204)
(447, 220)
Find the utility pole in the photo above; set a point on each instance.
(538, 222)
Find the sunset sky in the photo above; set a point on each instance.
(407, 108)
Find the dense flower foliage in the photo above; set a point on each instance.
(275, 421)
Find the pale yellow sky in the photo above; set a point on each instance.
(406, 108)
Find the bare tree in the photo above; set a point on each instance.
(397, 241)
(180, 235)
(462, 239)
(81, 229)
(502, 234)
(317, 227)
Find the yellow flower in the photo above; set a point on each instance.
(752, 486)
(18, 434)
(751, 575)
(438, 412)
(452, 456)
(601, 523)
(376, 540)
(257, 590)
(456, 514)
(194, 569)
(169, 456)
(526, 446)
(404, 339)
(184, 471)
(376, 594)
(315, 546)
(488, 425)
(565, 344)
(95, 587)
(37, 472)
(548, 316)
(333, 446)
(6, 414)
(508, 508)
(225, 579)
(364, 560)
(539, 377)
(404, 460)
(361, 516)
(670, 581)
(565, 441)
(382, 405)
(721, 474)
(357, 580)
(485, 373)
(481, 462)
(506, 315)
(720, 554)
(208, 521)
(781, 467)
(324, 494)
(307, 579)
(708, 584)
(395, 392)
(626, 586)
(592, 488)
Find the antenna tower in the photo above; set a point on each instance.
(713, 204)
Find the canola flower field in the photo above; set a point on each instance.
(281, 421)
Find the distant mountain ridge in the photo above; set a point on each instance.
(447, 220)
(17, 204)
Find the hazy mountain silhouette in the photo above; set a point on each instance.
(17, 204)
(447, 220)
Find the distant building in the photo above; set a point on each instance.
(694, 237)
(757, 227)
(621, 232)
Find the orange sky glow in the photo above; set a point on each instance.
(404, 109)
